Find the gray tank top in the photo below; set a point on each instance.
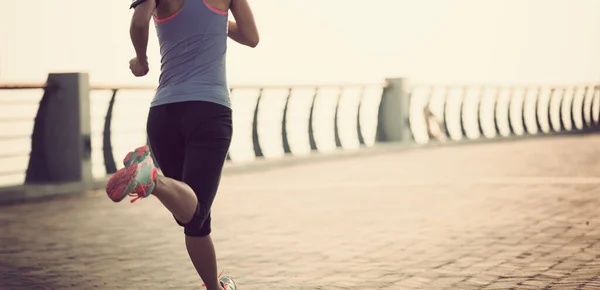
(193, 43)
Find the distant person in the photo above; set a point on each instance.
(189, 124)
(435, 127)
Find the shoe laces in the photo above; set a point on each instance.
(135, 196)
(141, 190)
(137, 193)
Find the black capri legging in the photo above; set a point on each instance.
(190, 141)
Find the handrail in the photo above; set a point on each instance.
(121, 87)
(502, 86)
(248, 86)
(26, 85)
(23, 86)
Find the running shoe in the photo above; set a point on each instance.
(136, 179)
(227, 283)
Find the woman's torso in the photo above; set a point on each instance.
(193, 45)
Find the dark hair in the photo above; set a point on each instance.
(135, 3)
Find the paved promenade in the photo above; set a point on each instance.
(520, 215)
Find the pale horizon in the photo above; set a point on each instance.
(444, 41)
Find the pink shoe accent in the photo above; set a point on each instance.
(127, 157)
(117, 185)
(138, 153)
(140, 190)
(125, 181)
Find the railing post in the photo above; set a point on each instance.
(336, 124)
(480, 99)
(445, 109)
(284, 122)
(586, 125)
(592, 104)
(496, 117)
(61, 145)
(561, 124)
(561, 106)
(361, 138)
(538, 120)
(526, 129)
(571, 113)
(511, 97)
(107, 150)
(255, 139)
(394, 109)
(595, 98)
(461, 112)
(311, 118)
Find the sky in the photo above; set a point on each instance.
(340, 41)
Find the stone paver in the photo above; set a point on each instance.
(520, 215)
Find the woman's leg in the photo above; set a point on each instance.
(190, 142)
(207, 142)
(139, 177)
(168, 149)
(181, 201)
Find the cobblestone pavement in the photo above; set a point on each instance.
(520, 215)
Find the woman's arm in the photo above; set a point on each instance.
(140, 26)
(243, 30)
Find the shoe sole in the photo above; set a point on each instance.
(136, 155)
(119, 186)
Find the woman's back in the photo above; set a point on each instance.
(193, 45)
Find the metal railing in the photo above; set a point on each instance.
(269, 121)
(276, 121)
(18, 106)
(475, 112)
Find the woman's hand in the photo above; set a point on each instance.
(138, 67)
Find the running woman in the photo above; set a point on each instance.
(189, 123)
